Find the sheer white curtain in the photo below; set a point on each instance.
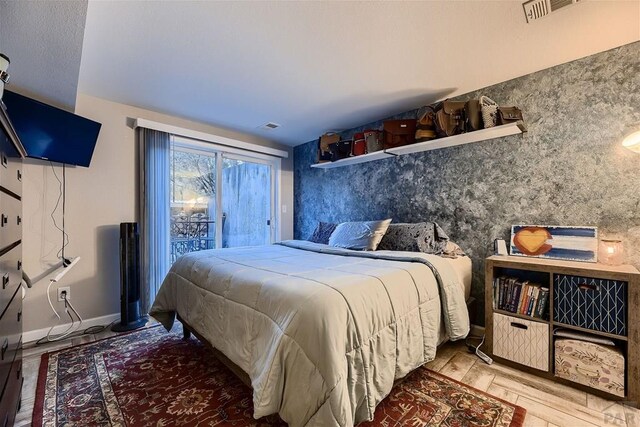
(154, 212)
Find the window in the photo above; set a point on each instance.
(192, 196)
(203, 177)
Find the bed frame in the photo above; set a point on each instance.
(188, 330)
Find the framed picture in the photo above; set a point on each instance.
(555, 242)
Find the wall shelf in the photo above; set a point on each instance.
(377, 155)
(435, 144)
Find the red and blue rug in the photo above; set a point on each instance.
(154, 378)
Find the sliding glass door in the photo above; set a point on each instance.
(193, 200)
(205, 177)
(247, 203)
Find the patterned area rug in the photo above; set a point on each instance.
(153, 378)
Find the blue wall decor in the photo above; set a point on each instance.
(555, 242)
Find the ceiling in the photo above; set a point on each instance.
(318, 66)
(44, 42)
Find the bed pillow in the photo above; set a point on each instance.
(434, 240)
(427, 237)
(323, 232)
(403, 237)
(453, 250)
(363, 235)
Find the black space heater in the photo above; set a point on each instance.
(130, 316)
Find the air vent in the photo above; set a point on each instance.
(536, 9)
(557, 4)
(270, 126)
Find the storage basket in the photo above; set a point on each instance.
(594, 365)
(596, 304)
(521, 341)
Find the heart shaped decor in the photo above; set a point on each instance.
(532, 240)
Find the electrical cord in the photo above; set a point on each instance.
(476, 349)
(89, 331)
(65, 261)
(73, 330)
(62, 185)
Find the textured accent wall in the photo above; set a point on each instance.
(569, 169)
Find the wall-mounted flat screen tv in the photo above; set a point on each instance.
(50, 133)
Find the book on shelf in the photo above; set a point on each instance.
(517, 293)
(520, 297)
(541, 310)
(534, 300)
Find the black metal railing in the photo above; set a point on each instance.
(190, 235)
(182, 246)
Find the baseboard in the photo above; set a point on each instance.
(35, 335)
(476, 331)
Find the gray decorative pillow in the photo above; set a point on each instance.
(364, 235)
(323, 232)
(434, 240)
(403, 237)
(427, 237)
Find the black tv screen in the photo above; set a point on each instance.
(50, 133)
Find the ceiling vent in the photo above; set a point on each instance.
(270, 126)
(536, 9)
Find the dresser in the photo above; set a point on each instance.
(11, 154)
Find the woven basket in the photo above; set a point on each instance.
(489, 110)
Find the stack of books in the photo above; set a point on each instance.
(521, 297)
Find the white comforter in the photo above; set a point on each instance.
(322, 332)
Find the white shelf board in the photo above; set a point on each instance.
(353, 160)
(435, 144)
(464, 138)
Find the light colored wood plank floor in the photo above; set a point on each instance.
(548, 404)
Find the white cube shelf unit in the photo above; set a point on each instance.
(434, 144)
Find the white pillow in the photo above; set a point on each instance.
(362, 235)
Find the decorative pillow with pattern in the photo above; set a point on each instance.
(323, 232)
(434, 240)
(363, 235)
(403, 237)
(427, 237)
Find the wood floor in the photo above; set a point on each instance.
(547, 404)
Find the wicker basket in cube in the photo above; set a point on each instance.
(594, 365)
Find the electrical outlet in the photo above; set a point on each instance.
(62, 289)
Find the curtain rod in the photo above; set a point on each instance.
(202, 136)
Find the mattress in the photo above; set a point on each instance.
(322, 332)
(461, 265)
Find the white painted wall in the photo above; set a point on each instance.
(98, 199)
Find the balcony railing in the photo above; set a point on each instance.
(191, 234)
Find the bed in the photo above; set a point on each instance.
(322, 333)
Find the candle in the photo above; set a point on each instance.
(611, 252)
